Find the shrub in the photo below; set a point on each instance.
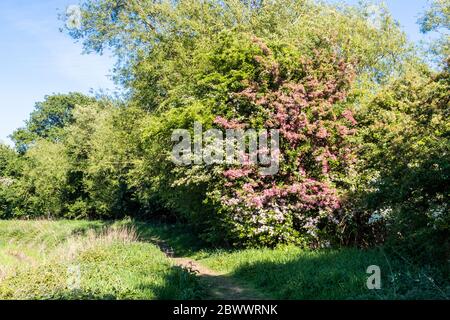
(406, 146)
(246, 82)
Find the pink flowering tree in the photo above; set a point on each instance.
(304, 97)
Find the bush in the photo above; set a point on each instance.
(406, 146)
(246, 82)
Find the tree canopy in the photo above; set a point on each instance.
(363, 124)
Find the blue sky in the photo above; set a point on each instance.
(37, 60)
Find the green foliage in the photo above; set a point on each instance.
(78, 168)
(437, 19)
(437, 16)
(160, 185)
(406, 139)
(10, 166)
(44, 181)
(112, 155)
(99, 143)
(154, 41)
(48, 119)
(8, 161)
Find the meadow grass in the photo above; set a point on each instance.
(123, 260)
(39, 260)
(290, 272)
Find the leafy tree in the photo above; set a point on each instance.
(437, 19)
(112, 155)
(245, 81)
(44, 179)
(10, 167)
(406, 150)
(8, 161)
(177, 64)
(154, 41)
(306, 105)
(98, 147)
(48, 119)
(76, 153)
(37, 183)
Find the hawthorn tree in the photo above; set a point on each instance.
(308, 67)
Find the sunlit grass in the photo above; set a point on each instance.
(36, 259)
(290, 272)
(122, 260)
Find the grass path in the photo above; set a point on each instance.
(136, 260)
(218, 286)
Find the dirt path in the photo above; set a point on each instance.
(218, 285)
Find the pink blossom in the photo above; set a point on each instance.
(257, 202)
(348, 114)
(228, 124)
(322, 133)
(343, 130)
(236, 173)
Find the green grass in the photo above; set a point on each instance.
(293, 273)
(290, 272)
(119, 260)
(38, 259)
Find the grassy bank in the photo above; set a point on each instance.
(123, 260)
(292, 273)
(41, 260)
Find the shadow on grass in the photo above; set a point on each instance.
(324, 274)
(341, 275)
(173, 239)
(177, 284)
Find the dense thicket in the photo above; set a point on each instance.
(363, 125)
(405, 135)
(77, 167)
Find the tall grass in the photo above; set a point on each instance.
(37, 259)
(289, 272)
(119, 260)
